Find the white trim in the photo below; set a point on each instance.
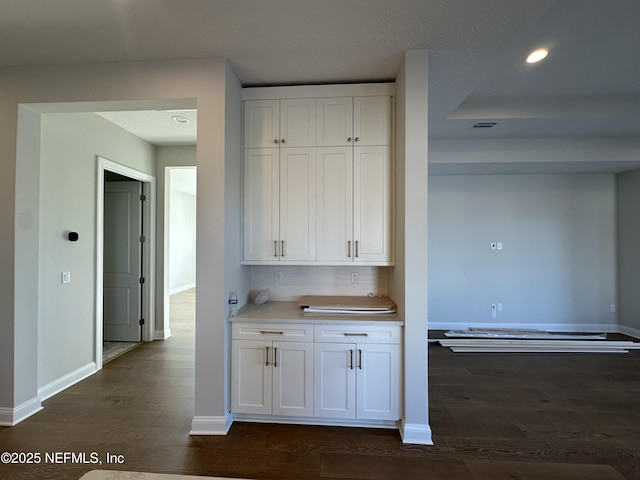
(327, 422)
(66, 381)
(632, 332)
(163, 334)
(416, 433)
(211, 425)
(148, 332)
(12, 416)
(319, 91)
(550, 327)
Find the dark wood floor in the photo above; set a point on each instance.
(494, 417)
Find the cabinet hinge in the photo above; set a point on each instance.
(143, 239)
(141, 321)
(141, 280)
(143, 197)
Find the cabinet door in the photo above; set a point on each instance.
(298, 122)
(251, 376)
(293, 378)
(378, 373)
(261, 123)
(261, 204)
(335, 121)
(297, 204)
(373, 205)
(334, 380)
(372, 120)
(335, 204)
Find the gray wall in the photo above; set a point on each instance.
(68, 173)
(29, 92)
(629, 252)
(557, 268)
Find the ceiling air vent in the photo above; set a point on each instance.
(484, 125)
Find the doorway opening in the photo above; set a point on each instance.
(125, 254)
(180, 245)
(123, 263)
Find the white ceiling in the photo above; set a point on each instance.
(588, 86)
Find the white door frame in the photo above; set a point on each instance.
(149, 253)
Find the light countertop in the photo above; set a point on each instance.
(290, 312)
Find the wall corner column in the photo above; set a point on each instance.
(409, 282)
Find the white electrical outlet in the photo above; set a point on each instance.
(499, 246)
(493, 245)
(277, 277)
(499, 307)
(354, 277)
(612, 308)
(66, 277)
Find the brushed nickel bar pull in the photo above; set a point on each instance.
(356, 248)
(275, 356)
(275, 248)
(270, 332)
(282, 248)
(267, 363)
(360, 359)
(349, 334)
(350, 359)
(349, 248)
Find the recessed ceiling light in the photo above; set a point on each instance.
(180, 119)
(537, 55)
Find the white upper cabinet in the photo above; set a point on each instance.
(372, 120)
(335, 121)
(344, 121)
(334, 193)
(298, 122)
(318, 175)
(286, 123)
(279, 205)
(261, 123)
(372, 205)
(354, 205)
(297, 204)
(261, 204)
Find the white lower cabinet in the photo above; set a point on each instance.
(358, 380)
(349, 371)
(272, 377)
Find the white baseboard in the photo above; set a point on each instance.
(12, 416)
(416, 433)
(550, 327)
(323, 422)
(211, 425)
(182, 288)
(62, 383)
(632, 332)
(162, 334)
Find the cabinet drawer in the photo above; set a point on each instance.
(355, 333)
(285, 332)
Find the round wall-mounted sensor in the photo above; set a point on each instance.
(73, 236)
